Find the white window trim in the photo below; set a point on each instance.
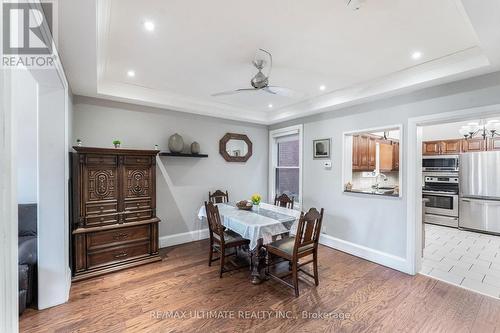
(273, 159)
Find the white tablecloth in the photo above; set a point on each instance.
(269, 221)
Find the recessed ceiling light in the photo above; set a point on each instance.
(149, 26)
(130, 73)
(322, 87)
(416, 55)
(270, 106)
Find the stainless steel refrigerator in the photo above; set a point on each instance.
(479, 204)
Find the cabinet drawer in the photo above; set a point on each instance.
(116, 237)
(96, 220)
(101, 208)
(117, 254)
(138, 205)
(101, 159)
(142, 160)
(137, 216)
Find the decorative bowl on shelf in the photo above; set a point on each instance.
(244, 205)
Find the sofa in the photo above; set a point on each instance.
(27, 255)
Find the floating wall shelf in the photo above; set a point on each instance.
(183, 155)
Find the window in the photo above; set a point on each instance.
(286, 163)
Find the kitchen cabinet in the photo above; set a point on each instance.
(355, 152)
(457, 146)
(473, 145)
(494, 144)
(431, 148)
(386, 155)
(395, 152)
(451, 147)
(442, 147)
(363, 152)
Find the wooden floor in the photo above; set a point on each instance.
(354, 295)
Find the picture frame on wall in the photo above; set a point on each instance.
(321, 148)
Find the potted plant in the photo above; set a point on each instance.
(256, 198)
(78, 142)
(117, 143)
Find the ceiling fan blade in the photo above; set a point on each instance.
(232, 92)
(282, 91)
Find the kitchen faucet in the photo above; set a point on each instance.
(377, 182)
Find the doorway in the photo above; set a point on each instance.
(447, 247)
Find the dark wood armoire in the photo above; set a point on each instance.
(114, 223)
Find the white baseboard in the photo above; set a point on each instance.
(379, 257)
(184, 237)
(68, 283)
(364, 252)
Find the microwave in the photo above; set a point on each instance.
(440, 163)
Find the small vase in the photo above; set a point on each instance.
(117, 145)
(256, 207)
(195, 148)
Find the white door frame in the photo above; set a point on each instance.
(414, 171)
(9, 316)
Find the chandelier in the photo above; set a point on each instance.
(482, 128)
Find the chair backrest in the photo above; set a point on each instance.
(283, 201)
(214, 223)
(308, 230)
(218, 197)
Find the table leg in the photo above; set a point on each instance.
(258, 263)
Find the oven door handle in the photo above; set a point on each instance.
(440, 193)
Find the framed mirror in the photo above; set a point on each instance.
(235, 147)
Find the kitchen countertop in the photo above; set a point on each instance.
(372, 192)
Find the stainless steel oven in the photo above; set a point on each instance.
(441, 203)
(441, 190)
(440, 163)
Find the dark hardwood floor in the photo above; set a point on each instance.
(371, 298)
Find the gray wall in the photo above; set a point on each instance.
(374, 222)
(183, 189)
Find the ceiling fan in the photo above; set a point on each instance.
(260, 82)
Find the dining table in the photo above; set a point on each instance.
(262, 224)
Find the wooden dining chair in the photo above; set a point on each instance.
(218, 197)
(221, 239)
(283, 201)
(303, 244)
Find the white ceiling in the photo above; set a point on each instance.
(202, 47)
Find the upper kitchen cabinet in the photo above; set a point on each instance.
(442, 147)
(431, 148)
(395, 157)
(473, 145)
(386, 155)
(363, 152)
(457, 146)
(451, 147)
(494, 144)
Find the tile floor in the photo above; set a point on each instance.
(464, 258)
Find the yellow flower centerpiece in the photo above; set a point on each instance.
(256, 198)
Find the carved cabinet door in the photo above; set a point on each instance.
(100, 190)
(138, 188)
